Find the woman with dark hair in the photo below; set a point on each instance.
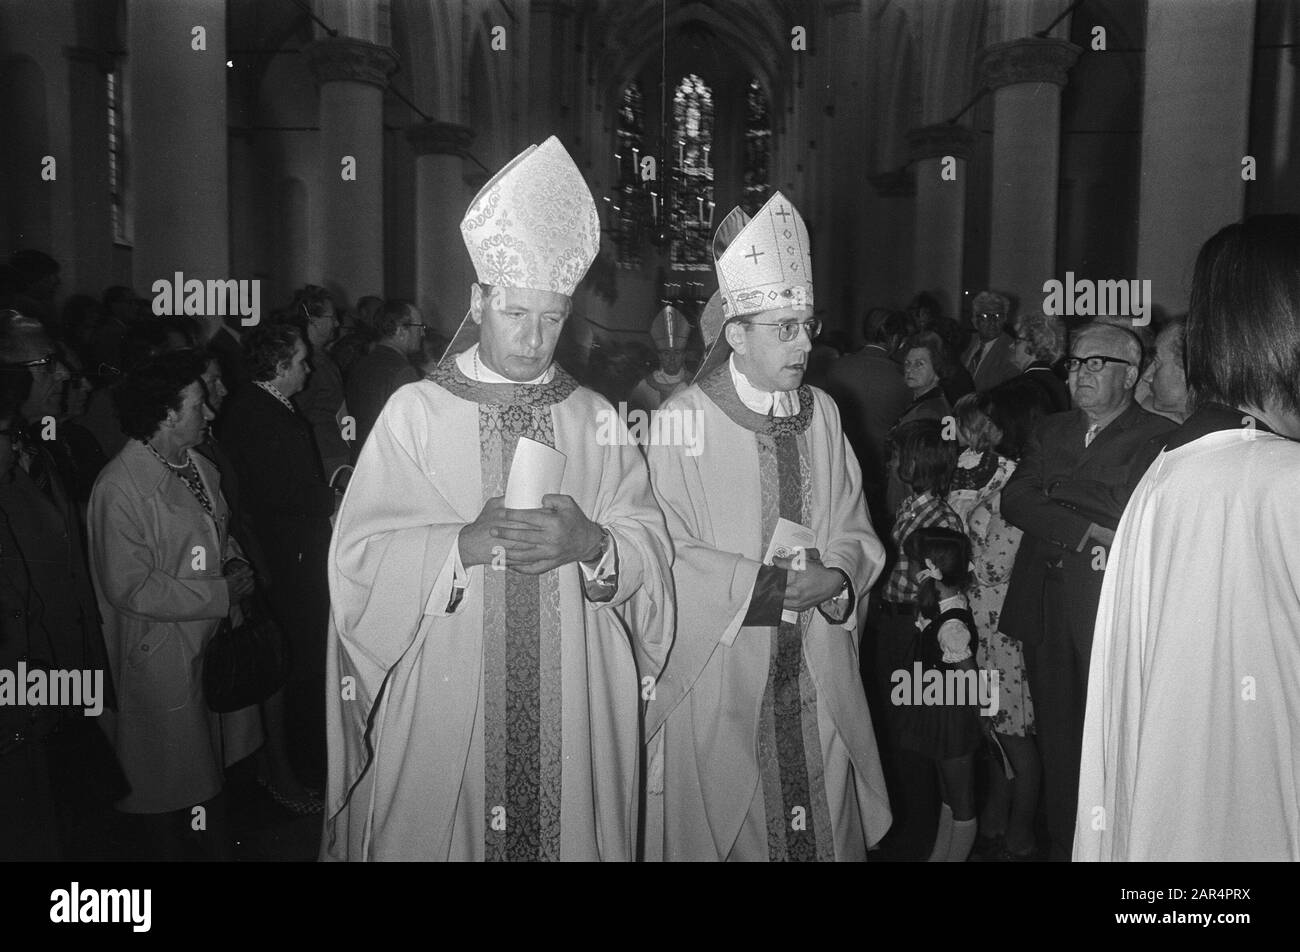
(925, 365)
(1196, 628)
(288, 504)
(993, 426)
(166, 573)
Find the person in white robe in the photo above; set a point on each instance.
(1191, 745)
(760, 736)
(670, 332)
(484, 689)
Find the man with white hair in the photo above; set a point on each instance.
(988, 358)
(484, 661)
(1068, 494)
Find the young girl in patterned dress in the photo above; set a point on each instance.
(993, 426)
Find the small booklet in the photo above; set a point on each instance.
(536, 471)
(789, 539)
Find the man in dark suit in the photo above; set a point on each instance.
(988, 358)
(288, 506)
(869, 390)
(1068, 494)
(376, 376)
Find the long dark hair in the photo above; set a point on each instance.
(949, 550)
(1243, 325)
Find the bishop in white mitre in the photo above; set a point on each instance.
(484, 662)
(760, 736)
(670, 331)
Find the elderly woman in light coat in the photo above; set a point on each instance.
(158, 531)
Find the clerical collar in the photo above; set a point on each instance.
(269, 388)
(779, 403)
(473, 367)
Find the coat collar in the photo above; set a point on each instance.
(155, 479)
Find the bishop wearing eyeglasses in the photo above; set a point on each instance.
(761, 746)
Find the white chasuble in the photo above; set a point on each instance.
(1191, 743)
(501, 724)
(761, 735)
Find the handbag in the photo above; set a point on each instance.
(245, 664)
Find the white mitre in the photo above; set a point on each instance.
(670, 329)
(534, 224)
(767, 265)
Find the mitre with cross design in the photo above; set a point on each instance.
(766, 266)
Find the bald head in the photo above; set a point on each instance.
(1118, 341)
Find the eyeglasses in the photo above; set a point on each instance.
(1095, 364)
(46, 361)
(787, 331)
(424, 328)
(987, 316)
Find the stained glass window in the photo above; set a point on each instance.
(630, 209)
(691, 213)
(758, 148)
(116, 149)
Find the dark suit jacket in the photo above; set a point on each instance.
(996, 366)
(1057, 491)
(373, 379)
(1052, 386)
(869, 390)
(230, 357)
(288, 506)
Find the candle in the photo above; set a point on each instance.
(654, 206)
(710, 214)
(701, 201)
(681, 160)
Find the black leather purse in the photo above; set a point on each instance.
(245, 664)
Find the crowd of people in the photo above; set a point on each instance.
(110, 564)
(1000, 495)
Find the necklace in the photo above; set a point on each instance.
(163, 459)
(477, 373)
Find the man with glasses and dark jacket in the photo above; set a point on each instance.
(375, 377)
(1068, 494)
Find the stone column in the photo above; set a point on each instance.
(1195, 115)
(846, 148)
(352, 75)
(177, 144)
(442, 267)
(940, 211)
(93, 220)
(1026, 77)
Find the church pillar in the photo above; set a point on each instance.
(1026, 77)
(352, 75)
(88, 106)
(442, 266)
(178, 141)
(847, 138)
(940, 210)
(1195, 115)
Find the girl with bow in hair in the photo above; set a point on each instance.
(945, 728)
